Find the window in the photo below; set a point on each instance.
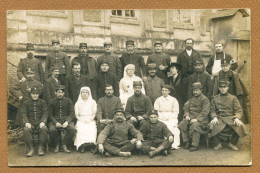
(183, 17)
(124, 13)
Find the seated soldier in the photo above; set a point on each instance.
(138, 106)
(106, 107)
(157, 137)
(62, 114)
(114, 138)
(196, 112)
(35, 114)
(226, 112)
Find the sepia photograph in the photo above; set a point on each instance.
(129, 87)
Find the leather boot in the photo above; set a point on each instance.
(57, 148)
(66, 150)
(40, 151)
(186, 145)
(31, 150)
(156, 151)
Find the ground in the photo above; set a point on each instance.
(204, 156)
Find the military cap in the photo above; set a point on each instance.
(60, 87)
(35, 89)
(151, 66)
(225, 61)
(130, 42)
(54, 68)
(104, 62)
(175, 64)
(223, 83)
(83, 45)
(137, 83)
(157, 42)
(29, 71)
(154, 112)
(107, 43)
(196, 85)
(198, 61)
(29, 46)
(120, 110)
(55, 41)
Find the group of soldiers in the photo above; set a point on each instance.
(170, 100)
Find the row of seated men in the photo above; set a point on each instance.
(151, 129)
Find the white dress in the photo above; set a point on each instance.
(85, 112)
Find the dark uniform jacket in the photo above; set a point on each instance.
(138, 106)
(106, 78)
(106, 107)
(59, 59)
(61, 110)
(35, 111)
(160, 59)
(88, 65)
(136, 60)
(32, 63)
(49, 88)
(220, 56)
(156, 132)
(226, 108)
(187, 62)
(153, 87)
(117, 133)
(74, 84)
(115, 67)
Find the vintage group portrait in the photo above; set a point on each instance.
(130, 87)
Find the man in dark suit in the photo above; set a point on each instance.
(132, 58)
(76, 81)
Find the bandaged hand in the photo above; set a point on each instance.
(237, 122)
(214, 121)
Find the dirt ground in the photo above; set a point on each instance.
(204, 156)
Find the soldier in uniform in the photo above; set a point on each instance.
(225, 112)
(196, 118)
(59, 59)
(106, 107)
(115, 67)
(30, 62)
(35, 116)
(186, 59)
(62, 114)
(88, 64)
(138, 106)
(202, 77)
(132, 58)
(157, 137)
(114, 138)
(153, 84)
(22, 92)
(161, 60)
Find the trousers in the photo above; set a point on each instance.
(116, 149)
(29, 132)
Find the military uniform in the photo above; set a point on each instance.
(115, 135)
(153, 87)
(49, 88)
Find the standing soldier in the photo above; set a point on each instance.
(225, 112)
(22, 92)
(30, 62)
(196, 118)
(115, 67)
(132, 58)
(88, 64)
(161, 60)
(35, 116)
(59, 59)
(186, 59)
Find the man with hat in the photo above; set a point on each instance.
(157, 137)
(115, 67)
(153, 84)
(59, 59)
(88, 64)
(138, 106)
(202, 77)
(62, 114)
(195, 121)
(225, 112)
(22, 92)
(104, 78)
(51, 84)
(133, 58)
(30, 62)
(236, 86)
(35, 116)
(214, 63)
(161, 60)
(114, 138)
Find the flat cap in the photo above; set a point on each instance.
(137, 83)
(223, 83)
(196, 85)
(55, 41)
(29, 71)
(157, 42)
(151, 66)
(130, 42)
(83, 45)
(29, 46)
(60, 87)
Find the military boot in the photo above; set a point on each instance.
(31, 150)
(57, 148)
(65, 149)
(40, 150)
(156, 151)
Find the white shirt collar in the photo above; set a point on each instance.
(189, 52)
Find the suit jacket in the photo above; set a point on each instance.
(49, 89)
